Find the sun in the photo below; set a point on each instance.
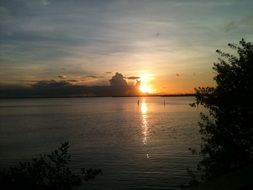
(145, 86)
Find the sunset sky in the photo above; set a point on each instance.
(169, 44)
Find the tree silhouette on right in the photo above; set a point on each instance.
(227, 128)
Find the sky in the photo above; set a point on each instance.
(169, 45)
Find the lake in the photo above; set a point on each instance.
(137, 146)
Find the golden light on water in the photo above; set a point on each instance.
(144, 109)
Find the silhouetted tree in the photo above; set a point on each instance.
(47, 172)
(227, 131)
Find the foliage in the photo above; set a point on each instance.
(47, 172)
(227, 131)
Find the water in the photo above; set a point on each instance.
(141, 146)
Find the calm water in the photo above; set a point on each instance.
(141, 146)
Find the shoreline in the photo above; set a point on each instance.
(41, 97)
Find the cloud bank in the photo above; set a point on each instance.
(64, 88)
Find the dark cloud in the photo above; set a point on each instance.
(236, 24)
(133, 78)
(72, 80)
(177, 75)
(118, 80)
(50, 84)
(67, 88)
(230, 26)
(108, 72)
(157, 34)
(119, 86)
(95, 77)
(29, 81)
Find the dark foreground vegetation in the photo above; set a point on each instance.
(227, 131)
(46, 172)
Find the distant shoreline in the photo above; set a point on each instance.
(41, 97)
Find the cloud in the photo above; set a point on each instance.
(157, 34)
(133, 78)
(45, 2)
(73, 80)
(118, 80)
(95, 77)
(236, 24)
(62, 76)
(68, 88)
(51, 84)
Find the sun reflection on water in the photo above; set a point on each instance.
(144, 108)
(144, 125)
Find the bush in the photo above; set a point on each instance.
(47, 172)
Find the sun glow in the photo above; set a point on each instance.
(145, 86)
